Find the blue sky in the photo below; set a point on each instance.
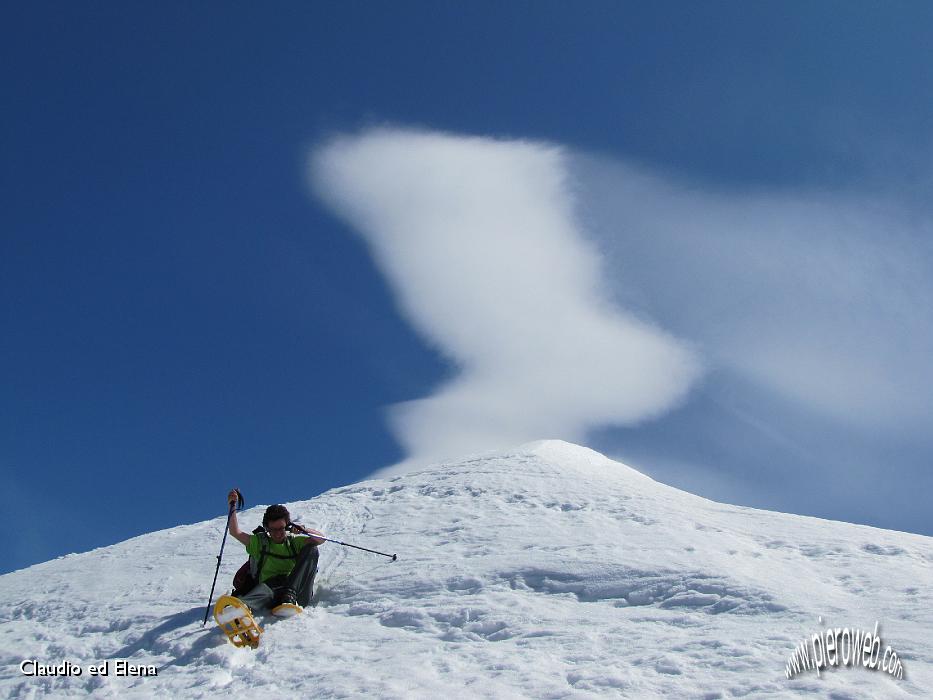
(193, 293)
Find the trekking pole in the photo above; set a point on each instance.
(393, 557)
(234, 505)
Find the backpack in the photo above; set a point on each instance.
(248, 576)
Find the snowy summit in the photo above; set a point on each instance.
(547, 571)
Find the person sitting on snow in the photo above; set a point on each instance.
(280, 572)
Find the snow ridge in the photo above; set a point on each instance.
(546, 571)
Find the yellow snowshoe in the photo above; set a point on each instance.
(286, 610)
(235, 619)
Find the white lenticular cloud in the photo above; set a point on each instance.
(480, 245)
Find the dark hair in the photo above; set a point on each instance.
(276, 512)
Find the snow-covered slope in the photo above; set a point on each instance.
(548, 571)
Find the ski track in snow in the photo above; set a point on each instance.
(546, 572)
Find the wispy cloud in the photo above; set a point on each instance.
(812, 310)
(481, 245)
(821, 298)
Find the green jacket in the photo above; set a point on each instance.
(280, 558)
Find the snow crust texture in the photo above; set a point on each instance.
(546, 572)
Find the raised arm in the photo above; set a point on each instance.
(317, 538)
(234, 523)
